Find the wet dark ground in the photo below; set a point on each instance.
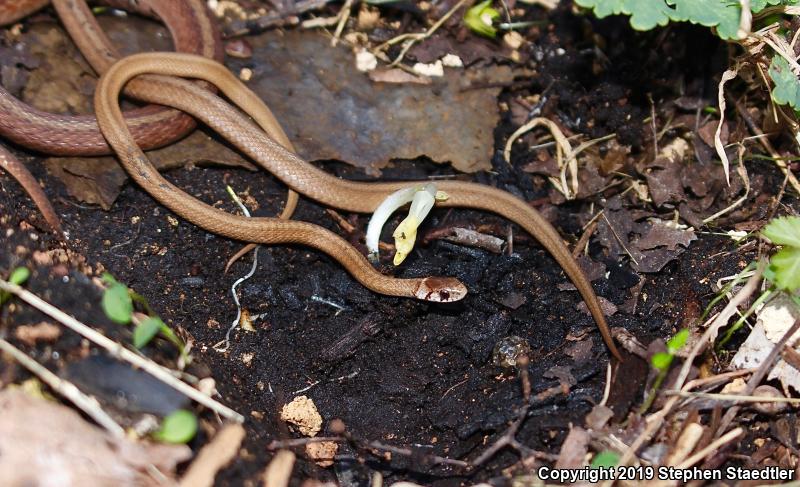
(425, 377)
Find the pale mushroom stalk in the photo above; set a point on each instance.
(422, 198)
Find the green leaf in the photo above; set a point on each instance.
(645, 14)
(117, 303)
(605, 459)
(108, 278)
(19, 275)
(179, 426)
(787, 88)
(759, 5)
(786, 266)
(678, 341)
(146, 330)
(480, 18)
(783, 231)
(723, 15)
(661, 360)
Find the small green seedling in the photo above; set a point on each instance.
(605, 459)
(118, 301)
(662, 361)
(178, 427)
(18, 276)
(146, 330)
(481, 18)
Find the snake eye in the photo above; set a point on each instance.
(441, 290)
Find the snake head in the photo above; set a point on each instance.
(440, 290)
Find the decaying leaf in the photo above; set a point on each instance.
(98, 180)
(774, 320)
(45, 443)
(649, 245)
(332, 111)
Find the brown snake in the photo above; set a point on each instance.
(192, 30)
(298, 175)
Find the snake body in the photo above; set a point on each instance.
(293, 171)
(192, 31)
(79, 136)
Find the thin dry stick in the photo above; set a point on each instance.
(656, 420)
(412, 38)
(117, 350)
(375, 445)
(734, 397)
(344, 14)
(87, 404)
(719, 321)
(764, 141)
(712, 447)
(728, 75)
(758, 376)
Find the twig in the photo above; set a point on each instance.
(87, 404)
(776, 158)
(376, 445)
(719, 321)
(653, 124)
(726, 438)
(412, 38)
(279, 471)
(758, 376)
(344, 14)
(734, 397)
(117, 350)
(607, 388)
(214, 456)
(239, 28)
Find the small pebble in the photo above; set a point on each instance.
(509, 349)
(769, 408)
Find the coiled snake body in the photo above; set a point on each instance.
(277, 156)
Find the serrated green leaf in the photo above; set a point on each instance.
(117, 303)
(605, 459)
(678, 341)
(787, 88)
(480, 18)
(759, 5)
(645, 14)
(786, 266)
(724, 15)
(146, 330)
(783, 231)
(661, 360)
(179, 426)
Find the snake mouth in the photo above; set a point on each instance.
(440, 290)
